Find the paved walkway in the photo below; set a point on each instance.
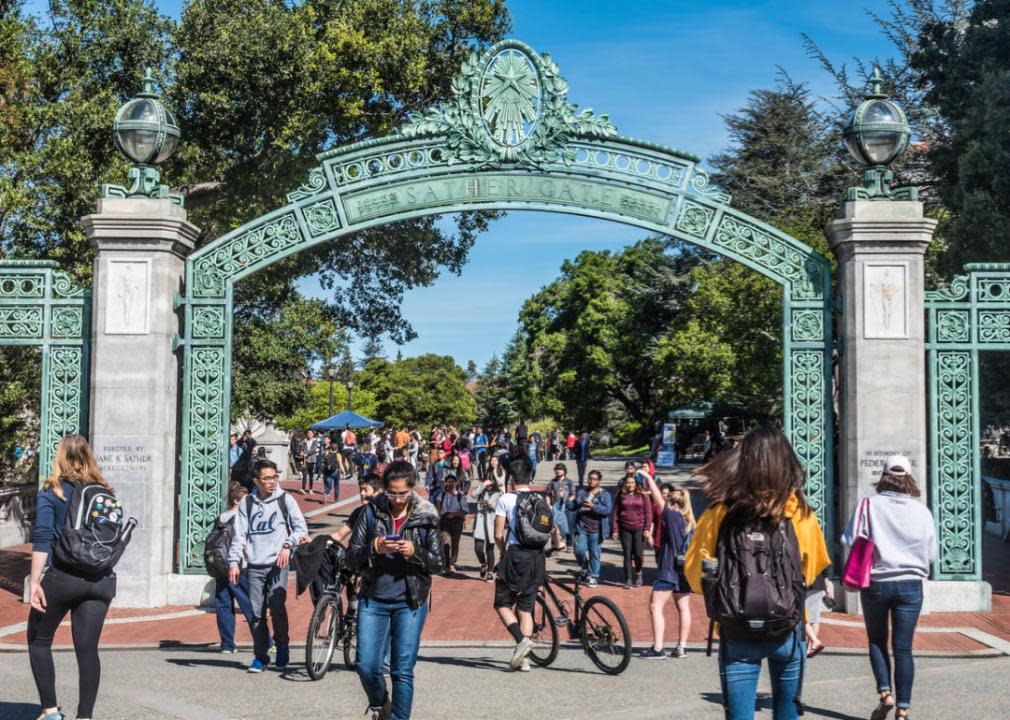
(461, 606)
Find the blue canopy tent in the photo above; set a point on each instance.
(347, 417)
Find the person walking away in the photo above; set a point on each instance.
(312, 444)
(582, 456)
(348, 448)
(818, 595)
(904, 546)
(226, 594)
(235, 451)
(268, 525)
(757, 508)
(570, 441)
(593, 506)
(366, 461)
(300, 451)
(485, 494)
(436, 472)
(396, 549)
(521, 538)
(671, 537)
(561, 491)
(401, 439)
(452, 507)
(632, 523)
(55, 591)
(480, 453)
(331, 470)
(522, 435)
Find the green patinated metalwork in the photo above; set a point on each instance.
(506, 139)
(42, 307)
(970, 315)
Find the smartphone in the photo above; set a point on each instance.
(392, 538)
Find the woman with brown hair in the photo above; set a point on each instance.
(55, 592)
(904, 546)
(759, 488)
(632, 522)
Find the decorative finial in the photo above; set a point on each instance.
(876, 80)
(148, 85)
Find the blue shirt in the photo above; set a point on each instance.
(479, 441)
(234, 454)
(50, 515)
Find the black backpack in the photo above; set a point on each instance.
(758, 592)
(216, 547)
(329, 462)
(95, 532)
(534, 521)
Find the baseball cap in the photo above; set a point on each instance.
(897, 466)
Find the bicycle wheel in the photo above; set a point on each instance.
(349, 642)
(322, 636)
(605, 635)
(545, 635)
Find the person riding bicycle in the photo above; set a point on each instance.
(397, 550)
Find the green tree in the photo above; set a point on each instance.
(318, 406)
(495, 408)
(259, 88)
(962, 68)
(418, 391)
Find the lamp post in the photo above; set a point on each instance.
(347, 372)
(146, 133)
(331, 375)
(876, 135)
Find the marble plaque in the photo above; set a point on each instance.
(129, 456)
(885, 300)
(127, 296)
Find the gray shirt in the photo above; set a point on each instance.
(261, 533)
(903, 534)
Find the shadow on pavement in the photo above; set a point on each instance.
(18, 711)
(200, 662)
(765, 701)
(487, 663)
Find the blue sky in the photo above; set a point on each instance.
(663, 71)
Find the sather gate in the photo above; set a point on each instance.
(507, 139)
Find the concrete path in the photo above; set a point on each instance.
(474, 683)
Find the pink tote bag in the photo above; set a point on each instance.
(860, 562)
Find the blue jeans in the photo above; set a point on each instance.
(332, 482)
(587, 551)
(533, 461)
(392, 625)
(225, 597)
(900, 602)
(741, 662)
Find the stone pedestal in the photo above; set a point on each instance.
(140, 261)
(880, 246)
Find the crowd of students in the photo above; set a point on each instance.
(399, 539)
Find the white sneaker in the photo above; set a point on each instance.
(525, 667)
(523, 648)
(679, 652)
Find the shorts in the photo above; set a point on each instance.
(814, 605)
(520, 576)
(660, 585)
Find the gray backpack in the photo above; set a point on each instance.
(533, 522)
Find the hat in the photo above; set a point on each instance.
(897, 466)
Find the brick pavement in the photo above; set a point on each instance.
(461, 606)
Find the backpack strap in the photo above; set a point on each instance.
(283, 502)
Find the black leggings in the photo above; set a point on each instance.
(631, 544)
(87, 602)
(485, 553)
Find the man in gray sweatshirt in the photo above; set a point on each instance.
(267, 526)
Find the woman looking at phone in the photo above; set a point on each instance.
(396, 549)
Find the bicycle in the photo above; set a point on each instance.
(329, 625)
(598, 624)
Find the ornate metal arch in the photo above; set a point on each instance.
(972, 314)
(42, 307)
(507, 139)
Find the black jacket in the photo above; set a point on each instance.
(421, 528)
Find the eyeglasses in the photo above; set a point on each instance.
(266, 478)
(398, 496)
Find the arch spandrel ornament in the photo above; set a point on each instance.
(505, 139)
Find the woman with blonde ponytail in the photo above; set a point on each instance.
(56, 592)
(671, 536)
